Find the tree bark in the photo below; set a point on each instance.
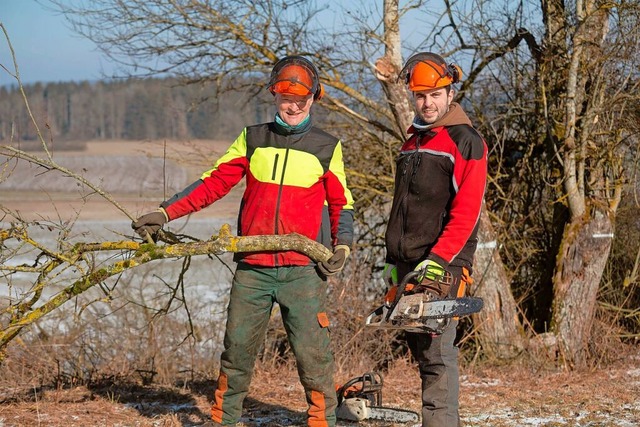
(388, 67)
(581, 261)
(587, 237)
(500, 332)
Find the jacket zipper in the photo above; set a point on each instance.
(414, 165)
(281, 185)
(275, 167)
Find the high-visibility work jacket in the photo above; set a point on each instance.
(294, 181)
(439, 188)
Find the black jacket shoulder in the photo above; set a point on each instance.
(469, 141)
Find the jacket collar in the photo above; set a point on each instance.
(283, 128)
(455, 116)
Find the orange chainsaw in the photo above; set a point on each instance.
(418, 306)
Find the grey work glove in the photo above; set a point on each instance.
(337, 261)
(149, 224)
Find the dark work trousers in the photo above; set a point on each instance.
(437, 358)
(300, 292)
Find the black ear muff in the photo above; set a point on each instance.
(319, 92)
(455, 72)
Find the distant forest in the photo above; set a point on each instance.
(133, 109)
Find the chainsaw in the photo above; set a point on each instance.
(420, 307)
(360, 399)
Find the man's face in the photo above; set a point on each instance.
(293, 109)
(432, 104)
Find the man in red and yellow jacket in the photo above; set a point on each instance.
(441, 174)
(295, 183)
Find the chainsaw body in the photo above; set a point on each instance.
(360, 399)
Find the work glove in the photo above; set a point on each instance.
(337, 261)
(434, 277)
(430, 270)
(149, 224)
(390, 274)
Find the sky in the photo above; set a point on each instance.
(46, 48)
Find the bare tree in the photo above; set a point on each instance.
(563, 146)
(588, 132)
(76, 263)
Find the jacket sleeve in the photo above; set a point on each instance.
(339, 200)
(469, 181)
(213, 184)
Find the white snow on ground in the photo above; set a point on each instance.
(628, 417)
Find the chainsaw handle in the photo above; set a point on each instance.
(370, 383)
(401, 287)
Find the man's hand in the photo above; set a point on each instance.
(337, 261)
(390, 274)
(430, 270)
(149, 224)
(434, 277)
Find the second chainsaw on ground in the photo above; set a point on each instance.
(360, 399)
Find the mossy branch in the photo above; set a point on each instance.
(142, 253)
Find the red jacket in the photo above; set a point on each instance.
(292, 180)
(439, 187)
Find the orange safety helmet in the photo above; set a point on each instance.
(426, 70)
(295, 75)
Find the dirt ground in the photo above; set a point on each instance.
(489, 396)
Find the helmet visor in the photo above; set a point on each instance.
(425, 71)
(293, 78)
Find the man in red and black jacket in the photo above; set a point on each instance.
(433, 225)
(295, 183)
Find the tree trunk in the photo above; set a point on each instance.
(579, 269)
(501, 334)
(388, 67)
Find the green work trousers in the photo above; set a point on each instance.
(300, 292)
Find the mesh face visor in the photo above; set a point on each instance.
(294, 76)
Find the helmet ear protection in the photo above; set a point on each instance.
(296, 75)
(426, 70)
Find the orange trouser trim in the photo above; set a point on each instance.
(317, 410)
(216, 409)
(465, 280)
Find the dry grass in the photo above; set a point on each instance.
(490, 396)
